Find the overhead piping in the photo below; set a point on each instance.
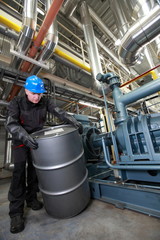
(57, 51)
(50, 44)
(101, 26)
(51, 15)
(92, 48)
(25, 38)
(141, 33)
(71, 59)
(10, 24)
(28, 29)
(67, 83)
(142, 75)
(122, 16)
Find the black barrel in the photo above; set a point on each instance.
(61, 171)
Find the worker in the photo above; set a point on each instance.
(26, 115)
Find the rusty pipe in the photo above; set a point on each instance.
(51, 14)
(48, 48)
(140, 76)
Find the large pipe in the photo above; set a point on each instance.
(48, 48)
(121, 100)
(101, 25)
(121, 15)
(67, 83)
(103, 29)
(28, 30)
(66, 56)
(25, 38)
(92, 48)
(51, 15)
(139, 35)
(141, 92)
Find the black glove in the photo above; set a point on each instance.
(19, 133)
(79, 126)
(30, 142)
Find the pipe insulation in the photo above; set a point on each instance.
(139, 35)
(92, 48)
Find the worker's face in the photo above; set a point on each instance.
(33, 97)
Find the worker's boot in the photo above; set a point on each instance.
(35, 204)
(17, 224)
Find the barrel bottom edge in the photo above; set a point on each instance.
(67, 205)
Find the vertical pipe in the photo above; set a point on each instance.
(51, 14)
(51, 42)
(92, 48)
(121, 15)
(28, 30)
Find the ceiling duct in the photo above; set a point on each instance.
(139, 35)
(28, 29)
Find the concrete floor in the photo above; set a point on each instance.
(99, 221)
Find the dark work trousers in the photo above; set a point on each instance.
(24, 184)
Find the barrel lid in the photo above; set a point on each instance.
(53, 131)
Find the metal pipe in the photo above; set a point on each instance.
(121, 100)
(10, 24)
(51, 14)
(48, 48)
(71, 59)
(92, 48)
(101, 25)
(121, 15)
(25, 38)
(141, 92)
(141, 33)
(126, 167)
(28, 30)
(67, 83)
(3, 103)
(110, 125)
(107, 50)
(9, 33)
(140, 76)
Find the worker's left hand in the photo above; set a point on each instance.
(79, 126)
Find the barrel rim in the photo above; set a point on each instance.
(60, 165)
(52, 128)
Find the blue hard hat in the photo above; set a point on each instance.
(34, 84)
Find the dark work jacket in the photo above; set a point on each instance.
(25, 117)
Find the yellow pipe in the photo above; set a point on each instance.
(17, 28)
(154, 75)
(10, 24)
(72, 60)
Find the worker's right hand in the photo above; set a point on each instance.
(30, 142)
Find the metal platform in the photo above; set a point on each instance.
(143, 197)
